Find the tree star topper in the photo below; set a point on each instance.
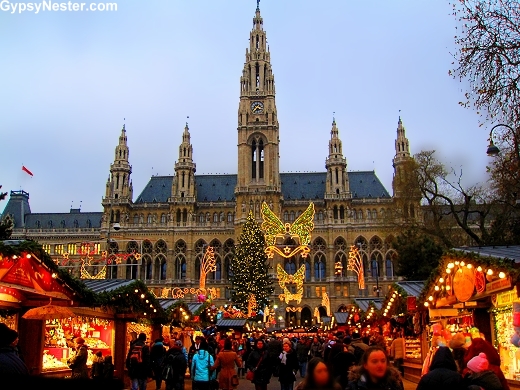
(355, 263)
(274, 228)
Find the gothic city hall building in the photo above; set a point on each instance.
(162, 233)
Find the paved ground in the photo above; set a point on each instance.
(274, 385)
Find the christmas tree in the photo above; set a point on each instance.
(250, 267)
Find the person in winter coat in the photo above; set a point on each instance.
(10, 363)
(139, 371)
(339, 363)
(318, 377)
(108, 368)
(397, 352)
(479, 345)
(98, 364)
(480, 376)
(374, 372)
(443, 373)
(157, 354)
(302, 353)
(316, 349)
(226, 360)
(201, 373)
(359, 347)
(78, 363)
(175, 365)
(261, 364)
(288, 367)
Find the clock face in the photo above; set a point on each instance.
(257, 107)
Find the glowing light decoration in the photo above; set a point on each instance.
(300, 230)
(207, 265)
(325, 302)
(355, 263)
(251, 305)
(284, 279)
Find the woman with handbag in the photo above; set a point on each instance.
(201, 374)
(259, 366)
(226, 361)
(289, 365)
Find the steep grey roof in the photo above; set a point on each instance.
(157, 190)
(216, 188)
(366, 184)
(511, 252)
(413, 289)
(18, 207)
(364, 303)
(295, 186)
(167, 302)
(54, 220)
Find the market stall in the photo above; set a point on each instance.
(473, 293)
(403, 317)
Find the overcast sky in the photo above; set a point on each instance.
(69, 78)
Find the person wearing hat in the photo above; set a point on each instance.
(10, 362)
(138, 363)
(479, 375)
(479, 345)
(175, 367)
(457, 345)
(78, 363)
(443, 373)
(157, 354)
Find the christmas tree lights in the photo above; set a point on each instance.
(250, 268)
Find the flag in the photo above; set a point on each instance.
(26, 170)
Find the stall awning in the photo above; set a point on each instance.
(341, 318)
(412, 289)
(167, 303)
(364, 303)
(105, 285)
(511, 252)
(231, 323)
(193, 307)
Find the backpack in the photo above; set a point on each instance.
(358, 353)
(136, 354)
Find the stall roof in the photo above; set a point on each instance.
(103, 285)
(511, 252)
(413, 289)
(364, 303)
(231, 323)
(193, 307)
(341, 318)
(167, 302)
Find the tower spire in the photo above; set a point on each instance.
(337, 179)
(119, 184)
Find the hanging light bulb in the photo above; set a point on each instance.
(462, 264)
(469, 266)
(426, 304)
(448, 271)
(441, 280)
(502, 275)
(448, 288)
(450, 265)
(436, 288)
(430, 298)
(490, 272)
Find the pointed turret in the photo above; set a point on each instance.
(337, 185)
(119, 183)
(183, 187)
(402, 146)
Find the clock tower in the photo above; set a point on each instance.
(258, 138)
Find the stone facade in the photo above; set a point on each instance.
(175, 217)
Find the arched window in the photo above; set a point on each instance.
(290, 267)
(291, 216)
(376, 261)
(197, 267)
(208, 217)
(389, 263)
(227, 266)
(217, 275)
(163, 268)
(149, 219)
(285, 216)
(62, 224)
(76, 224)
(148, 263)
(37, 224)
(163, 218)
(319, 266)
(88, 224)
(307, 270)
(229, 217)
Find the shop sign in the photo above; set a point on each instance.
(27, 274)
(464, 284)
(471, 304)
(505, 298)
(497, 285)
(411, 303)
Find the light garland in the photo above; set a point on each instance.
(355, 263)
(207, 265)
(274, 228)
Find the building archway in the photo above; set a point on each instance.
(306, 317)
(290, 318)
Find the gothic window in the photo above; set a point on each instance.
(253, 160)
(200, 246)
(221, 217)
(112, 271)
(369, 214)
(89, 224)
(307, 270)
(341, 212)
(341, 258)
(389, 263)
(291, 216)
(141, 218)
(183, 174)
(147, 261)
(62, 224)
(76, 224)
(218, 269)
(149, 219)
(163, 268)
(257, 75)
(335, 212)
(215, 217)
(229, 217)
(319, 266)
(197, 266)
(184, 215)
(319, 245)
(361, 243)
(208, 217)
(132, 247)
(290, 267)
(376, 263)
(118, 216)
(49, 224)
(163, 218)
(180, 267)
(131, 268)
(261, 154)
(337, 176)
(375, 243)
(147, 246)
(37, 224)
(320, 216)
(161, 247)
(285, 216)
(340, 244)
(201, 218)
(227, 266)
(229, 246)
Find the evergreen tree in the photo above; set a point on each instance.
(250, 267)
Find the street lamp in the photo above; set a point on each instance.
(493, 150)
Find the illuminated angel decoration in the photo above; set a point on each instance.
(355, 263)
(284, 279)
(325, 302)
(274, 228)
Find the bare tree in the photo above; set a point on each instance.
(488, 56)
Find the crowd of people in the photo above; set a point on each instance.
(333, 362)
